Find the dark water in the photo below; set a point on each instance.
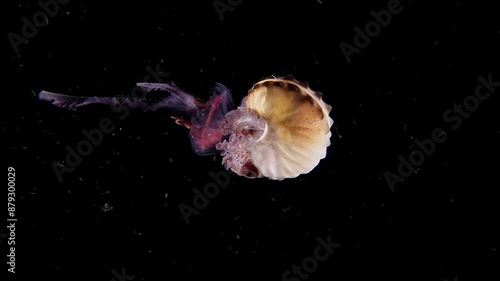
(116, 214)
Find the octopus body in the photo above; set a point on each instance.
(280, 130)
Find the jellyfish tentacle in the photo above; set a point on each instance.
(203, 119)
(177, 101)
(75, 102)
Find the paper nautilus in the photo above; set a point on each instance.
(280, 130)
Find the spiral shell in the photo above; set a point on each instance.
(281, 130)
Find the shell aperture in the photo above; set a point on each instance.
(280, 130)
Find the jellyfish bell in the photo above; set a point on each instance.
(280, 130)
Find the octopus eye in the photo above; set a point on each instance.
(249, 170)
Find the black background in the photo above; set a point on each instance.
(119, 208)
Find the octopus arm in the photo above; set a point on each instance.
(205, 131)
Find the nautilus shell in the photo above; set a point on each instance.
(280, 130)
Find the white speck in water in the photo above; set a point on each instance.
(106, 208)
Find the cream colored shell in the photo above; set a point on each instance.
(297, 127)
